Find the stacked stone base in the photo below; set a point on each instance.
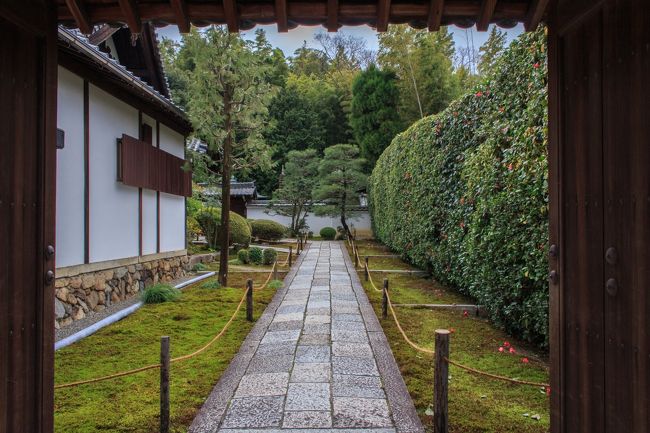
(80, 293)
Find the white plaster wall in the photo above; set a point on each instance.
(172, 207)
(70, 171)
(149, 210)
(360, 220)
(113, 206)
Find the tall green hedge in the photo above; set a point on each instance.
(464, 193)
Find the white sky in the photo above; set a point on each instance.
(289, 42)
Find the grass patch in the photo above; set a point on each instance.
(211, 284)
(476, 404)
(131, 404)
(159, 293)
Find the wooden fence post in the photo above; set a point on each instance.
(164, 384)
(440, 382)
(249, 300)
(384, 300)
(275, 270)
(290, 258)
(367, 270)
(356, 256)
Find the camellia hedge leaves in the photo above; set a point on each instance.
(464, 193)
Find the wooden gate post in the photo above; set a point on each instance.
(164, 384)
(440, 382)
(384, 300)
(367, 272)
(290, 258)
(249, 300)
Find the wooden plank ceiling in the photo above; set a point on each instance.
(287, 14)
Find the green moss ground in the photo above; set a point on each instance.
(131, 404)
(476, 404)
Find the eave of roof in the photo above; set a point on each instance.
(74, 41)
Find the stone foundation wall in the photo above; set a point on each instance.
(79, 293)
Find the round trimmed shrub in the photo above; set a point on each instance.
(159, 293)
(267, 230)
(209, 220)
(328, 233)
(269, 256)
(243, 256)
(255, 255)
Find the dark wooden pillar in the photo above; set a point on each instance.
(599, 163)
(27, 212)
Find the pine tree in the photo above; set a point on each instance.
(491, 50)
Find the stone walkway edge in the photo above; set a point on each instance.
(316, 361)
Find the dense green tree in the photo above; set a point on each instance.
(308, 61)
(294, 196)
(374, 118)
(341, 178)
(491, 50)
(228, 107)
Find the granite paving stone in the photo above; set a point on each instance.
(312, 367)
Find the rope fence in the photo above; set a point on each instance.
(441, 354)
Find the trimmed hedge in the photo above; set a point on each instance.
(269, 256)
(267, 230)
(243, 257)
(209, 220)
(328, 233)
(464, 193)
(255, 255)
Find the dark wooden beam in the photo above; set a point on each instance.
(182, 18)
(78, 11)
(131, 15)
(435, 15)
(535, 14)
(487, 12)
(103, 33)
(231, 17)
(332, 15)
(383, 15)
(281, 15)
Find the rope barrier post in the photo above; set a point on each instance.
(290, 258)
(275, 270)
(356, 256)
(164, 384)
(367, 270)
(384, 300)
(441, 382)
(249, 300)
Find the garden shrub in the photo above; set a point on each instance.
(255, 255)
(328, 233)
(209, 220)
(199, 267)
(275, 284)
(243, 257)
(267, 230)
(269, 256)
(211, 285)
(464, 194)
(159, 293)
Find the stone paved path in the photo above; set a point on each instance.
(314, 369)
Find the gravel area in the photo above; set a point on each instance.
(96, 316)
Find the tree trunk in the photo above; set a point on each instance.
(225, 196)
(343, 210)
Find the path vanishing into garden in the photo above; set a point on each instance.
(317, 360)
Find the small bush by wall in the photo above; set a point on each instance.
(243, 256)
(209, 220)
(267, 230)
(464, 193)
(328, 233)
(255, 255)
(269, 256)
(159, 293)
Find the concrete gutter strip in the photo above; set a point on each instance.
(118, 316)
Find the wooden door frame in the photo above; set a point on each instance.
(38, 18)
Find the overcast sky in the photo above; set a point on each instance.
(289, 42)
